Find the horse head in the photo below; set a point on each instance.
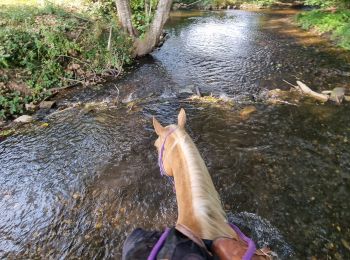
(165, 142)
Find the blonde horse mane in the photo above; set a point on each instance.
(206, 202)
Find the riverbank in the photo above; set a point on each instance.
(239, 5)
(332, 23)
(47, 48)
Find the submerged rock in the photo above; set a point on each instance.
(24, 119)
(129, 98)
(245, 112)
(187, 90)
(7, 132)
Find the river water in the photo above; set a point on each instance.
(75, 186)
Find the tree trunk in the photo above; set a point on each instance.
(149, 41)
(151, 38)
(124, 15)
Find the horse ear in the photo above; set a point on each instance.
(181, 118)
(158, 127)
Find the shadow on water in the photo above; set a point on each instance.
(76, 188)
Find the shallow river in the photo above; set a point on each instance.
(77, 185)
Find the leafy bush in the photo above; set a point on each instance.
(140, 19)
(264, 2)
(320, 3)
(328, 3)
(337, 23)
(10, 103)
(52, 47)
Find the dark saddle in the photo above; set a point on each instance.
(181, 243)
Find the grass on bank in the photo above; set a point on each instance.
(337, 23)
(51, 47)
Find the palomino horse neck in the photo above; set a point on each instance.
(199, 206)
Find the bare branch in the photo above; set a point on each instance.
(307, 91)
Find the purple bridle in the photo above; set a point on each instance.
(161, 153)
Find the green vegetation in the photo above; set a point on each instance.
(264, 2)
(51, 47)
(336, 23)
(328, 3)
(141, 17)
(260, 3)
(333, 18)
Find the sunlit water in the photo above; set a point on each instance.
(76, 188)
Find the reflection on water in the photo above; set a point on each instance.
(240, 52)
(76, 188)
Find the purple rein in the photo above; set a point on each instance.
(157, 247)
(251, 246)
(247, 256)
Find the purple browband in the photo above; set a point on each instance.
(160, 158)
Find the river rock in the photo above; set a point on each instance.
(47, 104)
(337, 95)
(31, 107)
(129, 98)
(176, 6)
(24, 119)
(187, 90)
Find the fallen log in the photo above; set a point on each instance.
(293, 96)
(307, 91)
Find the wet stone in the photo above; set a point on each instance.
(188, 90)
(346, 244)
(46, 104)
(24, 119)
(31, 107)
